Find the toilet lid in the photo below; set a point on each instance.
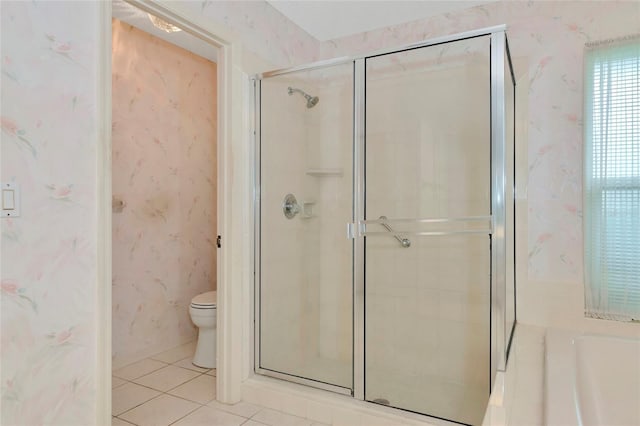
(203, 300)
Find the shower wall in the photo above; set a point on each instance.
(306, 261)
(330, 152)
(288, 249)
(164, 170)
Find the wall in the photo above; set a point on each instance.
(49, 134)
(50, 131)
(546, 41)
(263, 30)
(329, 182)
(165, 171)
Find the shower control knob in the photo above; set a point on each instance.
(290, 206)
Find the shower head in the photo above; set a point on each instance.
(311, 100)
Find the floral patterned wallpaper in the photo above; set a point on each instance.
(49, 59)
(164, 170)
(264, 30)
(48, 285)
(547, 41)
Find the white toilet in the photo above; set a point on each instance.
(203, 314)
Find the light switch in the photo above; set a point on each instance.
(10, 200)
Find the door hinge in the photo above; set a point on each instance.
(219, 241)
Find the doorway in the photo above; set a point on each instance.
(164, 207)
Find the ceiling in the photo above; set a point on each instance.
(328, 20)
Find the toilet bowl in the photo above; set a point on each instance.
(203, 314)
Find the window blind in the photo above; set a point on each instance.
(612, 180)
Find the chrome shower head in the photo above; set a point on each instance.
(311, 100)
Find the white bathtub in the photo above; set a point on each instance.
(591, 380)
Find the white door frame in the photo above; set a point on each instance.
(232, 197)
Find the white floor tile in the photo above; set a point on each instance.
(160, 411)
(129, 395)
(177, 353)
(212, 372)
(116, 381)
(119, 422)
(243, 409)
(207, 416)
(138, 369)
(276, 418)
(186, 363)
(202, 389)
(166, 378)
(252, 423)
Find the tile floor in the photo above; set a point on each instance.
(167, 389)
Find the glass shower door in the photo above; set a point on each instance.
(427, 230)
(305, 168)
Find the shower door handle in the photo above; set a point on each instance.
(404, 242)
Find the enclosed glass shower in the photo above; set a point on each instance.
(385, 224)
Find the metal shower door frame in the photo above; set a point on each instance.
(499, 336)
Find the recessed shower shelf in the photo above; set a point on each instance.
(325, 172)
(307, 209)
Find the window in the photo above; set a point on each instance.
(612, 180)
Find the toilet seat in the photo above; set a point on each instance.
(206, 300)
